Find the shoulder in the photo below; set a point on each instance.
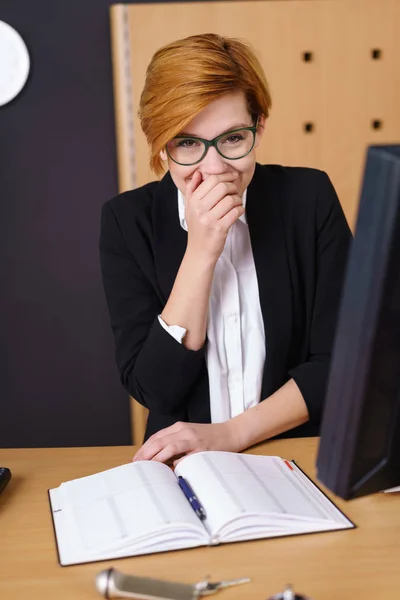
(293, 179)
(134, 211)
(134, 216)
(301, 190)
(132, 204)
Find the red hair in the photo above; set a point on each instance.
(185, 76)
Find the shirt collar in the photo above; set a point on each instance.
(181, 209)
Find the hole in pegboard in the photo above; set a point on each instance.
(376, 124)
(376, 53)
(308, 127)
(308, 56)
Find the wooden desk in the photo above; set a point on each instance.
(358, 564)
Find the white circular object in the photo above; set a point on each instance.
(14, 63)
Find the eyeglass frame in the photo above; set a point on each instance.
(209, 143)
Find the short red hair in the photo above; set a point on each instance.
(185, 76)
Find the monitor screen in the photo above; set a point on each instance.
(359, 450)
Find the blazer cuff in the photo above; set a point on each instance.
(177, 332)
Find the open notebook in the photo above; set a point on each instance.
(139, 508)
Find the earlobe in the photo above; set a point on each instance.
(163, 155)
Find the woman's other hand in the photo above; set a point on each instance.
(174, 442)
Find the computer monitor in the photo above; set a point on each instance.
(359, 450)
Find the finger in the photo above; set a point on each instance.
(221, 190)
(211, 182)
(233, 215)
(224, 206)
(162, 432)
(143, 450)
(173, 450)
(193, 184)
(174, 462)
(154, 446)
(179, 433)
(137, 456)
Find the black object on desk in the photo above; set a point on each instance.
(289, 594)
(5, 476)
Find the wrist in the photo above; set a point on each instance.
(241, 430)
(236, 434)
(200, 259)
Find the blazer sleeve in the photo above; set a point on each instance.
(333, 238)
(156, 370)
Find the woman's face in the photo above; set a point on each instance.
(221, 116)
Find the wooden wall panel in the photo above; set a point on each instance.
(341, 91)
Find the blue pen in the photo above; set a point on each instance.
(191, 496)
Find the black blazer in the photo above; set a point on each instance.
(300, 239)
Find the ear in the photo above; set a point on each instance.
(163, 155)
(260, 130)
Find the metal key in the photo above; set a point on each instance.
(208, 587)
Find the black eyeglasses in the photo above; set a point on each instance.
(189, 150)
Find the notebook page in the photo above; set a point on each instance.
(129, 506)
(70, 553)
(263, 491)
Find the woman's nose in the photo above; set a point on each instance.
(212, 164)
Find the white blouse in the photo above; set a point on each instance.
(235, 331)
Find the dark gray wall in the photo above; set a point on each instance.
(58, 381)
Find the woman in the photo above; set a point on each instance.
(223, 279)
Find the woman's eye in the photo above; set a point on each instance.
(233, 139)
(188, 143)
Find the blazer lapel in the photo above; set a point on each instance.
(170, 239)
(264, 218)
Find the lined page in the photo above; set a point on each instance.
(134, 502)
(234, 486)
